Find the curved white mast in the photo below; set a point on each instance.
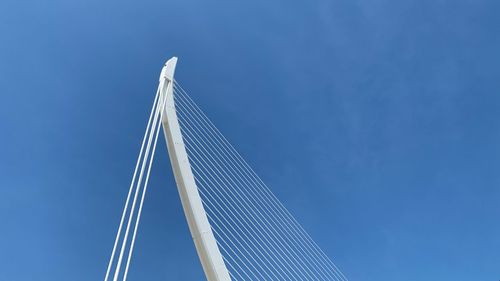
(204, 240)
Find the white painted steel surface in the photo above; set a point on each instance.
(204, 240)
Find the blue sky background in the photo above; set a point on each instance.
(376, 123)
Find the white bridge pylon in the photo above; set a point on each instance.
(204, 240)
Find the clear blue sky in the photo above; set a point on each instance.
(376, 123)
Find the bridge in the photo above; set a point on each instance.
(240, 229)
